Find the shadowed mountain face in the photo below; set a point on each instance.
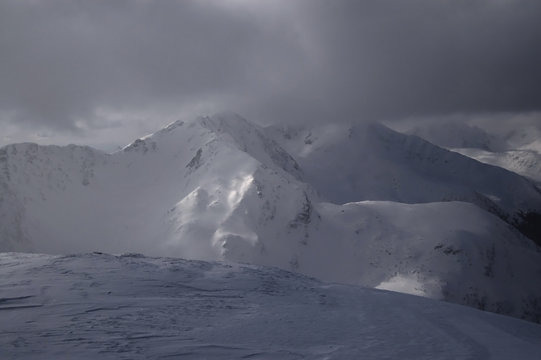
(372, 162)
(515, 148)
(362, 205)
(529, 224)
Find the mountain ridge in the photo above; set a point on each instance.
(404, 168)
(221, 188)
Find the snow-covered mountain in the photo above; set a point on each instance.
(524, 162)
(133, 307)
(362, 205)
(458, 134)
(134, 197)
(515, 147)
(513, 144)
(372, 162)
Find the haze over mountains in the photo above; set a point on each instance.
(358, 204)
(514, 145)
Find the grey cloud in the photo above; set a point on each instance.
(411, 58)
(61, 61)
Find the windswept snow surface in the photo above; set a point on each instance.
(133, 307)
(221, 188)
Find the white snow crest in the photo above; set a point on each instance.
(414, 285)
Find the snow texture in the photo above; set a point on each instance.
(93, 306)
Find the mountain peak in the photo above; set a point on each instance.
(222, 188)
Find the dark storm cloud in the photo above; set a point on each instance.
(61, 61)
(404, 58)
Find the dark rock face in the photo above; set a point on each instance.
(529, 224)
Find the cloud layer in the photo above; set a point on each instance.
(75, 67)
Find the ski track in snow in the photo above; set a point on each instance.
(133, 307)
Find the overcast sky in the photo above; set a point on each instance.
(105, 72)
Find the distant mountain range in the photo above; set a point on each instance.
(359, 204)
(517, 149)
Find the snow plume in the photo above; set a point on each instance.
(411, 284)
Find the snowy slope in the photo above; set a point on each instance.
(524, 162)
(521, 135)
(512, 146)
(33, 177)
(131, 307)
(456, 134)
(135, 198)
(372, 162)
(219, 188)
(451, 251)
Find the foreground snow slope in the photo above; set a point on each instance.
(131, 307)
(219, 188)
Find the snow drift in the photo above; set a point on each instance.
(129, 306)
